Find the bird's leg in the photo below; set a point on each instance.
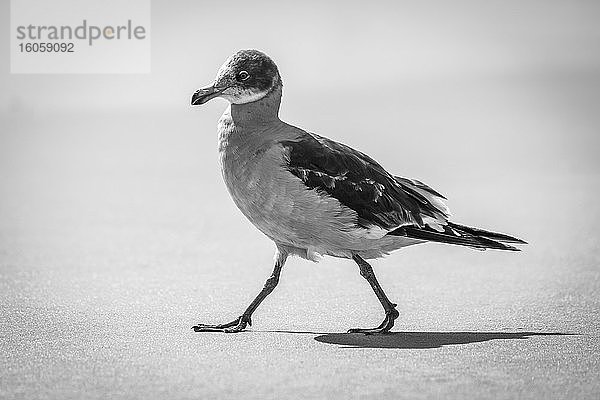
(390, 308)
(240, 323)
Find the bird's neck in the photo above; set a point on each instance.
(263, 110)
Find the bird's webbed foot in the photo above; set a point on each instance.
(237, 325)
(385, 326)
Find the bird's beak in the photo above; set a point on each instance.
(204, 94)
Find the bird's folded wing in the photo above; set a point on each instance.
(361, 184)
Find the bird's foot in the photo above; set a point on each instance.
(237, 325)
(384, 327)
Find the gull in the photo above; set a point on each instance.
(313, 196)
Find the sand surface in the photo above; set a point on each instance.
(117, 236)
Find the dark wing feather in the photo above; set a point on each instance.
(420, 185)
(358, 182)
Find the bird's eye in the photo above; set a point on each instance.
(243, 75)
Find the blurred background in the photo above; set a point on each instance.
(117, 234)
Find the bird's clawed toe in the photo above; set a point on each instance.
(384, 327)
(237, 325)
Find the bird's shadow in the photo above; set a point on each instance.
(422, 340)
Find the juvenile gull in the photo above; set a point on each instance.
(313, 196)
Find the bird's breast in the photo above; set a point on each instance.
(254, 175)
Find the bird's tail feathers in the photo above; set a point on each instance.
(460, 235)
(500, 237)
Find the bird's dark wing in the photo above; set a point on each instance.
(360, 183)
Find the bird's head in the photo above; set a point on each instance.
(246, 76)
